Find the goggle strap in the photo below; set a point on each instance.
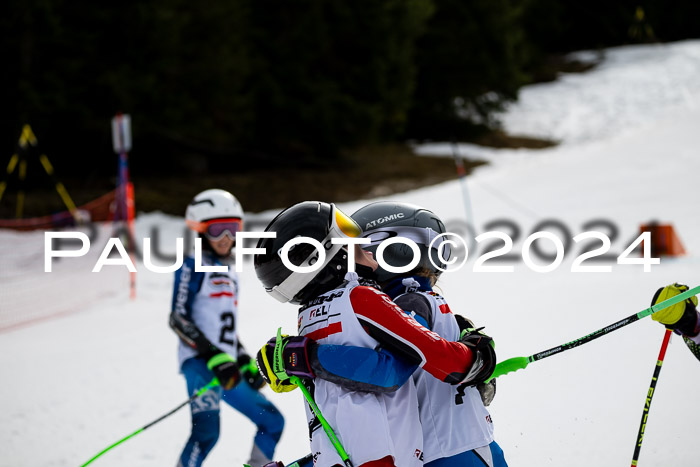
(296, 281)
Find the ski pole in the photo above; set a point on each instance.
(326, 426)
(519, 363)
(462, 174)
(650, 394)
(278, 369)
(211, 384)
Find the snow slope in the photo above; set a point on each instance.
(629, 154)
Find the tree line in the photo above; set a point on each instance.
(233, 84)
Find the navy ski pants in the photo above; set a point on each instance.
(471, 459)
(205, 414)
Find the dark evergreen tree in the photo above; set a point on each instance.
(268, 81)
(469, 64)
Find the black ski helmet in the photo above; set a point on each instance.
(319, 221)
(386, 219)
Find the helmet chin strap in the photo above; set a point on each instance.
(365, 272)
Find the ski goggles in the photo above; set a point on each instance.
(215, 229)
(343, 224)
(340, 225)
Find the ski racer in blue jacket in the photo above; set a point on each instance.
(204, 309)
(457, 428)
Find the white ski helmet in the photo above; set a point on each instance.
(210, 205)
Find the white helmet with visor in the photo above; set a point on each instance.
(215, 213)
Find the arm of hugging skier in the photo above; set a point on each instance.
(387, 323)
(381, 369)
(384, 369)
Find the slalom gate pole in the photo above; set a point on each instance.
(211, 384)
(121, 143)
(462, 175)
(650, 395)
(519, 363)
(326, 426)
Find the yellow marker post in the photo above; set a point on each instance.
(62, 192)
(27, 136)
(10, 168)
(18, 161)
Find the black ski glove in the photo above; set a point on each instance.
(464, 324)
(225, 369)
(306, 461)
(249, 371)
(482, 347)
(487, 391)
(296, 353)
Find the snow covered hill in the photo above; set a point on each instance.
(630, 154)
